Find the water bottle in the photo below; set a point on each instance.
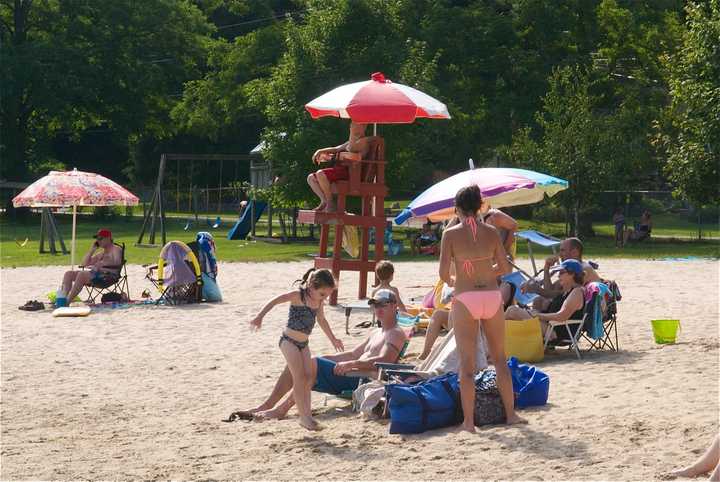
(60, 297)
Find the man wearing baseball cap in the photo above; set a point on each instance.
(383, 345)
(102, 269)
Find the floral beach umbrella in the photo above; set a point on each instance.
(74, 188)
(377, 101)
(500, 187)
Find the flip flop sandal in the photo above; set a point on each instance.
(240, 415)
(32, 305)
(364, 324)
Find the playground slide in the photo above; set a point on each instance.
(243, 226)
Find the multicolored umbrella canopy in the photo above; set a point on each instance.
(74, 188)
(377, 101)
(500, 187)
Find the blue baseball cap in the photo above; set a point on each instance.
(572, 266)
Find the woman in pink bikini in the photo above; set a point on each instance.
(479, 257)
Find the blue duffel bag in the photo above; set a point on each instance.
(531, 386)
(430, 404)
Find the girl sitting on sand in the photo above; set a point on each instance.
(306, 305)
(385, 271)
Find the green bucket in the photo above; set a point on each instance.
(665, 331)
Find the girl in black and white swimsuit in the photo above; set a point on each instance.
(306, 306)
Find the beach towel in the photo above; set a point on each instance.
(601, 294)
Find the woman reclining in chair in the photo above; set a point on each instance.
(569, 305)
(320, 181)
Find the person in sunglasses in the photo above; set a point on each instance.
(569, 305)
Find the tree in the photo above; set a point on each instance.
(576, 142)
(691, 135)
(67, 66)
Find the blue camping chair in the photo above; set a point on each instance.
(541, 239)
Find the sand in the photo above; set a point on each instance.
(140, 392)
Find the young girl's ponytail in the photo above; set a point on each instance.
(304, 280)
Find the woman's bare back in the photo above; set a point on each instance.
(474, 257)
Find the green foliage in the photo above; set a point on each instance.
(568, 87)
(69, 66)
(691, 137)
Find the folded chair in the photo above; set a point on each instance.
(443, 358)
(97, 289)
(177, 275)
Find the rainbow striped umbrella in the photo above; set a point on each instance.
(500, 187)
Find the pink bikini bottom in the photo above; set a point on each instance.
(482, 305)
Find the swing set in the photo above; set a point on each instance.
(154, 218)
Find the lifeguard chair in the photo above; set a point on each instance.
(367, 181)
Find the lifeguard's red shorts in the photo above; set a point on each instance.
(337, 173)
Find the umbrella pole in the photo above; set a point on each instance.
(72, 245)
(375, 129)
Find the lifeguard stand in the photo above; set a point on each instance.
(366, 181)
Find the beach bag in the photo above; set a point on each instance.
(430, 404)
(531, 386)
(210, 289)
(523, 340)
(111, 297)
(489, 409)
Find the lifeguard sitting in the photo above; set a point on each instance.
(320, 181)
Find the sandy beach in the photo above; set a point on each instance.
(139, 393)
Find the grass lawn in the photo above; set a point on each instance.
(12, 255)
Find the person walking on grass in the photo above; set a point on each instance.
(306, 306)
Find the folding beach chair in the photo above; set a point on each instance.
(517, 279)
(577, 330)
(442, 359)
(96, 289)
(177, 275)
(536, 237)
(609, 327)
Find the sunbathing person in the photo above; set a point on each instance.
(320, 181)
(440, 319)
(568, 306)
(505, 224)
(427, 237)
(708, 462)
(570, 248)
(329, 372)
(642, 229)
(104, 267)
(479, 258)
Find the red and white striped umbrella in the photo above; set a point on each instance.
(377, 101)
(74, 188)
